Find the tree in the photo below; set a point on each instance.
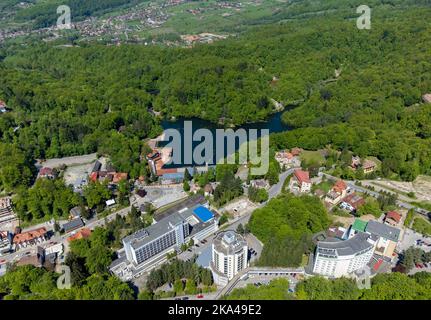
(186, 186)
(187, 176)
(240, 229)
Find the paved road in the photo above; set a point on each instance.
(276, 188)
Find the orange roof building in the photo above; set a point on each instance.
(119, 176)
(84, 233)
(340, 186)
(29, 235)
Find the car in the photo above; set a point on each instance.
(200, 296)
(420, 266)
(185, 298)
(189, 250)
(197, 245)
(177, 298)
(2, 261)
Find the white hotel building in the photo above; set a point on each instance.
(229, 256)
(336, 258)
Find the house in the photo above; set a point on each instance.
(5, 242)
(28, 238)
(393, 218)
(300, 182)
(356, 162)
(97, 166)
(338, 233)
(75, 212)
(338, 192)
(3, 107)
(46, 172)
(260, 184)
(119, 176)
(368, 166)
(426, 98)
(7, 215)
(296, 151)
(286, 158)
(84, 233)
(73, 225)
(352, 202)
(208, 190)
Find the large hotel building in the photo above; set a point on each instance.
(190, 220)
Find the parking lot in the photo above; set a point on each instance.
(410, 240)
(161, 196)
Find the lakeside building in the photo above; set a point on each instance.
(147, 247)
(229, 256)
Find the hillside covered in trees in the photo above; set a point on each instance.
(73, 100)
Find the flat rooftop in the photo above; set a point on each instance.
(352, 246)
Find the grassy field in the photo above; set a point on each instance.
(312, 157)
(422, 226)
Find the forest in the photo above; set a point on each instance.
(392, 286)
(285, 226)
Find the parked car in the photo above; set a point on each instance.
(185, 298)
(200, 296)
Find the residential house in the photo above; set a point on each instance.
(300, 182)
(5, 242)
(352, 202)
(29, 238)
(84, 233)
(3, 107)
(119, 176)
(75, 212)
(368, 166)
(296, 151)
(7, 215)
(48, 173)
(393, 218)
(260, 184)
(356, 162)
(338, 192)
(286, 158)
(208, 190)
(73, 225)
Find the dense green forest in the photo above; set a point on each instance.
(87, 98)
(285, 226)
(392, 286)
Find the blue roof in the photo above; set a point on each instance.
(203, 214)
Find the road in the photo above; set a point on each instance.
(376, 194)
(277, 188)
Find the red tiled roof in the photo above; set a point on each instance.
(45, 171)
(296, 151)
(377, 265)
(94, 176)
(81, 234)
(354, 200)
(302, 176)
(394, 216)
(29, 235)
(119, 176)
(339, 186)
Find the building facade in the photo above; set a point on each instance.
(229, 256)
(336, 258)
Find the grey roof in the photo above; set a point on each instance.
(76, 211)
(383, 230)
(96, 167)
(73, 224)
(229, 242)
(352, 246)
